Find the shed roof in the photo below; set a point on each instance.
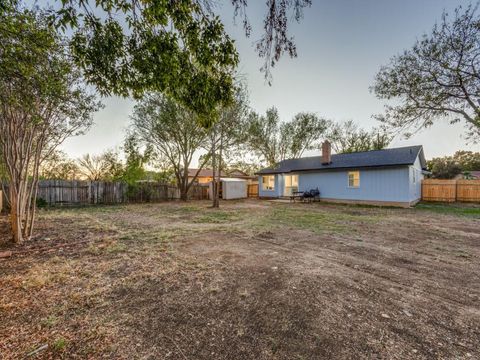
(233, 180)
(375, 158)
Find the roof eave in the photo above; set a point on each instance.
(334, 168)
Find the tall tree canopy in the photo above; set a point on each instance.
(444, 167)
(58, 166)
(106, 166)
(439, 77)
(42, 102)
(348, 137)
(274, 141)
(173, 132)
(448, 167)
(179, 48)
(135, 159)
(468, 160)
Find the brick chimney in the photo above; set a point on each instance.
(326, 153)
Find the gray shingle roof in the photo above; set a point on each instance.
(376, 158)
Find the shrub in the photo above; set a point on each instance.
(444, 168)
(41, 203)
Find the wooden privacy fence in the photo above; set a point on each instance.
(468, 190)
(151, 192)
(198, 192)
(62, 192)
(451, 190)
(252, 190)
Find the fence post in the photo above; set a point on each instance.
(89, 192)
(456, 190)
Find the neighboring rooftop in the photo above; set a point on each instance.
(209, 173)
(204, 173)
(375, 158)
(475, 174)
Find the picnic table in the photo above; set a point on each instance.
(296, 195)
(310, 196)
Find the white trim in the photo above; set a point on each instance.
(348, 179)
(263, 183)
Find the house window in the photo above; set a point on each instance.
(353, 179)
(291, 184)
(291, 181)
(268, 182)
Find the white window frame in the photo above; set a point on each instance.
(264, 187)
(348, 179)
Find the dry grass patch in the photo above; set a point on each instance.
(254, 279)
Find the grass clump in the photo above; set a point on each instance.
(50, 321)
(60, 344)
(459, 209)
(216, 217)
(314, 220)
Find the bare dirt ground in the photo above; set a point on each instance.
(253, 280)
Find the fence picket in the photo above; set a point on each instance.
(451, 190)
(59, 192)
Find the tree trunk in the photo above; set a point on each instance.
(183, 194)
(31, 221)
(184, 188)
(214, 169)
(219, 182)
(16, 217)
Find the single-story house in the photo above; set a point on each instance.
(379, 177)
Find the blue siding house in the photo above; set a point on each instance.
(379, 177)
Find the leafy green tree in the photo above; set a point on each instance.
(178, 48)
(42, 102)
(58, 166)
(134, 169)
(439, 77)
(302, 133)
(274, 141)
(348, 137)
(468, 160)
(173, 132)
(448, 167)
(444, 168)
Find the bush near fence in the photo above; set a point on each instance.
(82, 193)
(451, 190)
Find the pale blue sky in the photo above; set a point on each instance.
(341, 45)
